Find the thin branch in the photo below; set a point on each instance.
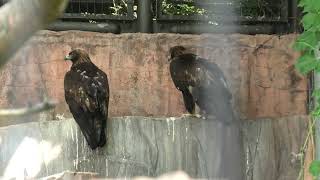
(125, 4)
(44, 106)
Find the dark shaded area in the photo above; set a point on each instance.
(186, 16)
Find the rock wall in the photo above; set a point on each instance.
(259, 69)
(140, 146)
(260, 73)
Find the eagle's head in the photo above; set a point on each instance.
(176, 51)
(77, 56)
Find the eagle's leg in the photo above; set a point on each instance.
(194, 110)
(196, 113)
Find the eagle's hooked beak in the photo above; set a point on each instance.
(68, 57)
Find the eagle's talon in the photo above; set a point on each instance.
(192, 115)
(186, 115)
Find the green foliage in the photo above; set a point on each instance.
(119, 7)
(308, 44)
(307, 41)
(316, 96)
(260, 8)
(310, 6)
(307, 63)
(314, 168)
(245, 8)
(187, 8)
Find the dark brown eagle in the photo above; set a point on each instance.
(87, 94)
(201, 83)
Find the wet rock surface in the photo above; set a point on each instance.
(144, 146)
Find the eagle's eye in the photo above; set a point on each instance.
(71, 56)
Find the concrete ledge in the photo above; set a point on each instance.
(145, 146)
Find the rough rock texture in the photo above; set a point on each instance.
(262, 78)
(273, 146)
(258, 68)
(68, 175)
(153, 146)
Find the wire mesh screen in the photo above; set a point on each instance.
(232, 10)
(100, 9)
(97, 9)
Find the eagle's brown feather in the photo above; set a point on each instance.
(201, 83)
(87, 94)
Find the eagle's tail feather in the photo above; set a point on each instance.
(103, 140)
(90, 138)
(188, 101)
(90, 131)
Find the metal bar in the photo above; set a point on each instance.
(87, 6)
(217, 18)
(293, 16)
(130, 4)
(84, 26)
(102, 6)
(205, 28)
(144, 16)
(284, 10)
(159, 8)
(94, 7)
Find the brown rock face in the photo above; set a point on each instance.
(262, 77)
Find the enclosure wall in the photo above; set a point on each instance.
(259, 70)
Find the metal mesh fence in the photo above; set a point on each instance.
(99, 9)
(220, 10)
(168, 13)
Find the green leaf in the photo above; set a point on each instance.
(316, 96)
(316, 93)
(310, 5)
(314, 168)
(316, 112)
(306, 63)
(311, 21)
(307, 40)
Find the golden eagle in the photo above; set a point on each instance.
(87, 94)
(201, 83)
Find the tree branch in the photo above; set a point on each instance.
(19, 19)
(47, 105)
